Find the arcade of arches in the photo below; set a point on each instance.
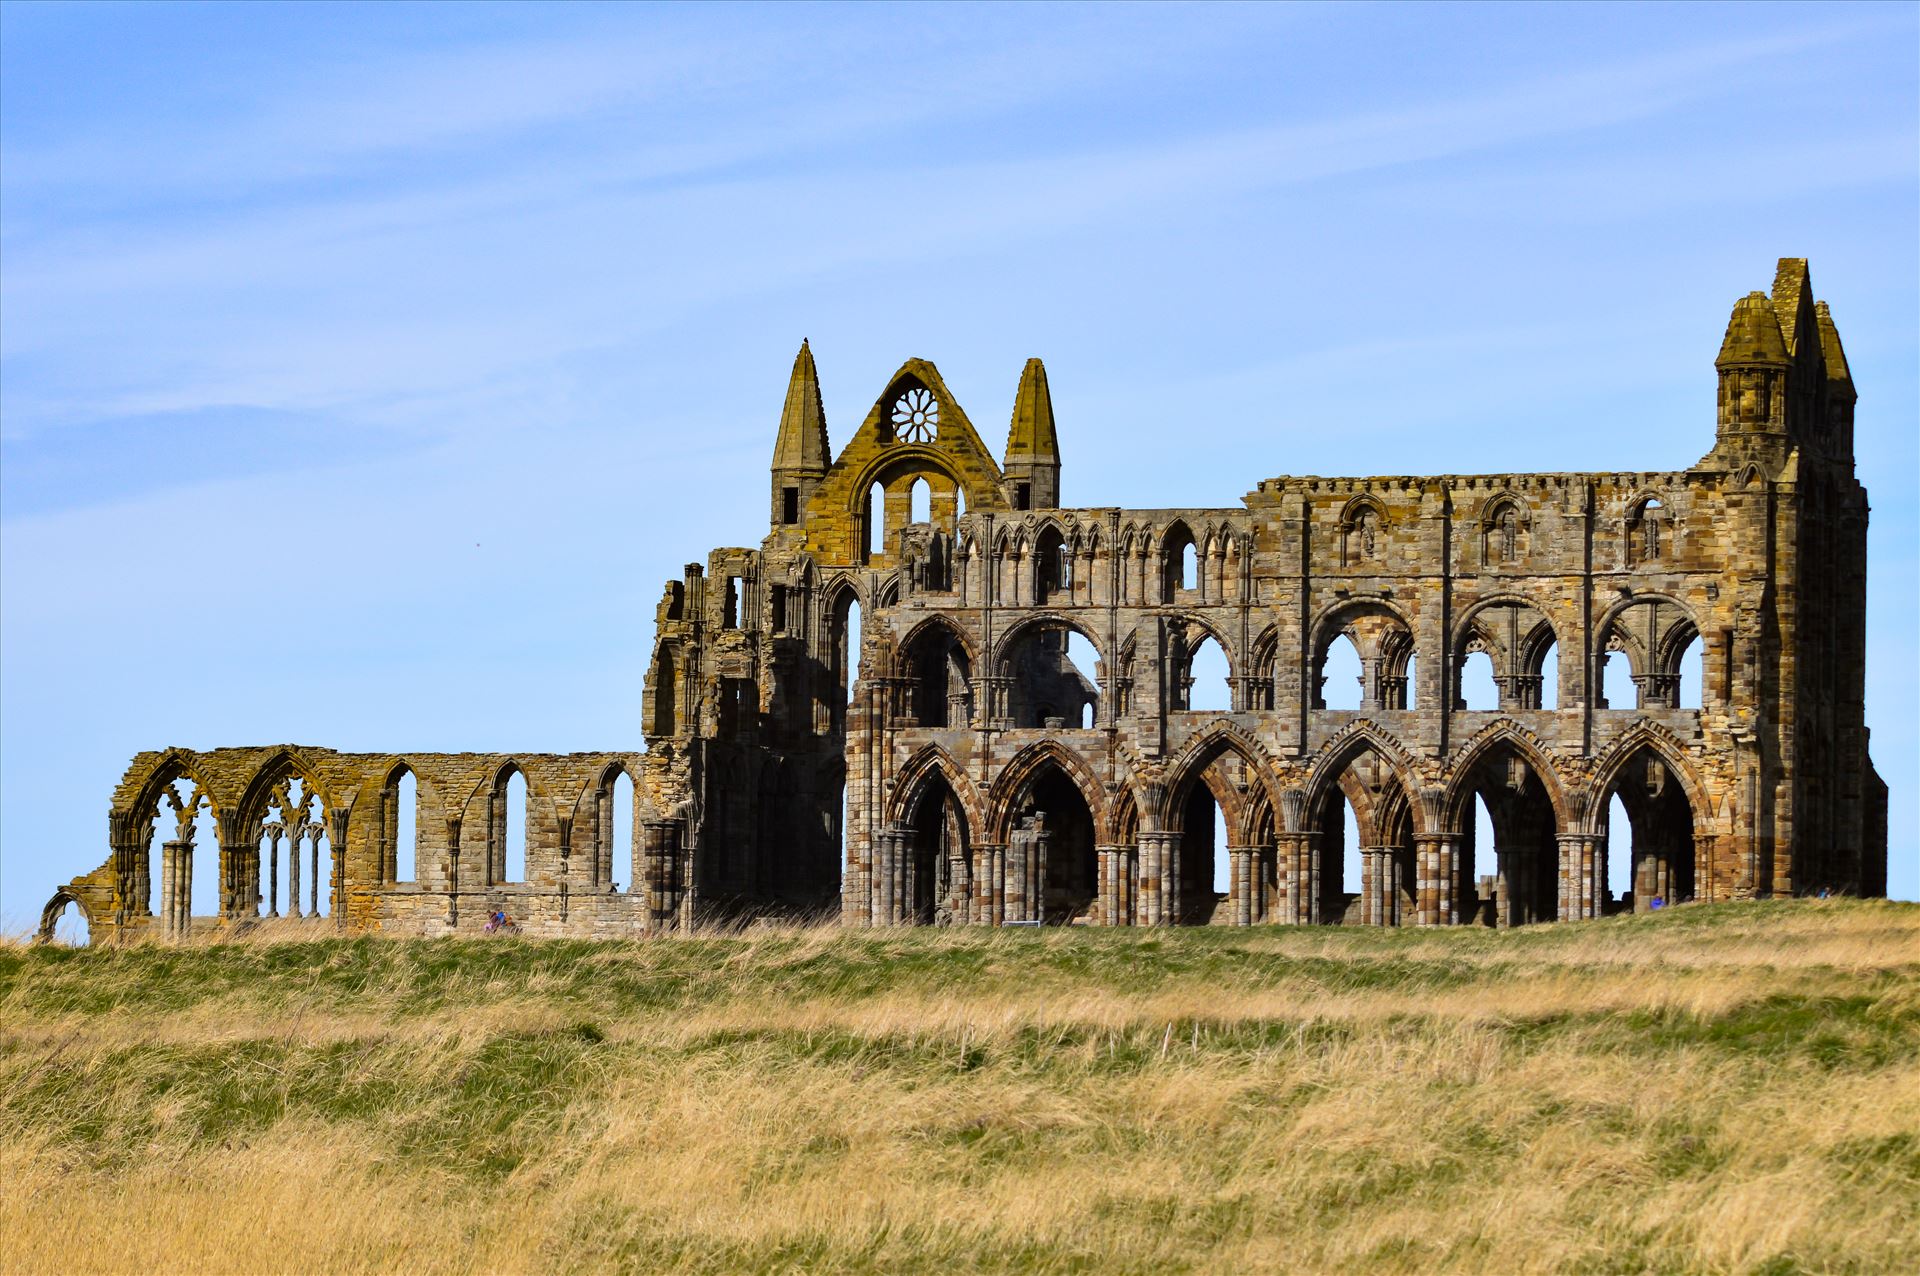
(934, 695)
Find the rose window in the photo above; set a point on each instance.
(916, 416)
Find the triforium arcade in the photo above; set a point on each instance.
(953, 764)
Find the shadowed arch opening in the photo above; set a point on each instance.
(1524, 827)
(1045, 687)
(939, 675)
(1652, 851)
(1382, 645)
(1056, 826)
(65, 922)
(1361, 823)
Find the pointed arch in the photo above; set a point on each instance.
(283, 763)
(909, 790)
(1219, 737)
(1671, 750)
(1009, 786)
(1508, 734)
(172, 764)
(1349, 742)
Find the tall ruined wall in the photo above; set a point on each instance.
(954, 764)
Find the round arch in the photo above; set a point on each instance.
(50, 915)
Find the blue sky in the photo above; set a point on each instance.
(364, 371)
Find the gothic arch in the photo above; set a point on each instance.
(1197, 758)
(909, 788)
(1646, 734)
(1007, 787)
(1506, 733)
(284, 763)
(1011, 637)
(50, 915)
(1349, 742)
(927, 625)
(173, 764)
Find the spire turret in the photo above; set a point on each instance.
(1032, 465)
(801, 455)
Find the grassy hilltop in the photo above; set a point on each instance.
(1725, 1088)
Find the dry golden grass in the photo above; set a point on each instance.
(1732, 1089)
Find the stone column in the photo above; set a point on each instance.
(176, 886)
(314, 833)
(273, 874)
(990, 883)
(1240, 884)
(1379, 886)
(1037, 854)
(239, 881)
(893, 877)
(453, 873)
(1582, 877)
(294, 836)
(664, 888)
(337, 880)
(1435, 869)
(1159, 883)
(1114, 905)
(1299, 885)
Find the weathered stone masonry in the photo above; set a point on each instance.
(985, 779)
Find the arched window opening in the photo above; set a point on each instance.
(1352, 871)
(1616, 683)
(1619, 832)
(1340, 675)
(1222, 857)
(1056, 813)
(1202, 845)
(182, 817)
(1179, 563)
(620, 837)
(509, 828)
(1649, 832)
(664, 692)
(1410, 685)
(1086, 662)
(848, 648)
(1518, 838)
(960, 501)
(295, 853)
(1048, 686)
(1478, 690)
(1482, 866)
(70, 927)
(940, 679)
(1207, 688)
(402, 827)
(920, 502)
(1053, 572)
(1549, 672)
(876, 523)
(1692, 669)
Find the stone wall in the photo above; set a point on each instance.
(985, 778)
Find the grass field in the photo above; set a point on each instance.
(1726, 1088)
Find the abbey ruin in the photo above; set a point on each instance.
(955, 765)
